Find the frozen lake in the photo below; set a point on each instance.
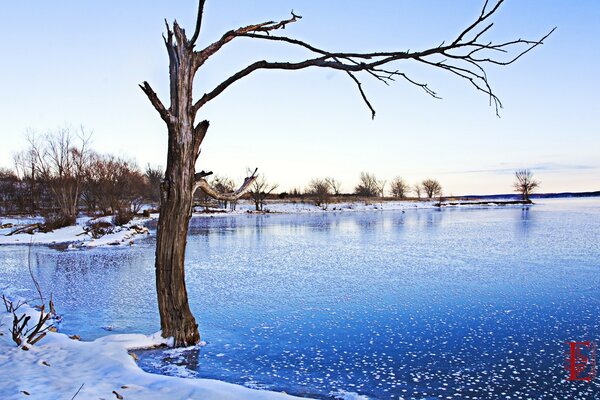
(452, 303)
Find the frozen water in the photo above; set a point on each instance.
(453, 303)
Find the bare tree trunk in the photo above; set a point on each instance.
(177, 189)
(176, 318)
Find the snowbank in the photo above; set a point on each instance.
(75, 235)
(57, 366)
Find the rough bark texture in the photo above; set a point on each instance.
(177, 320)
(178, 187)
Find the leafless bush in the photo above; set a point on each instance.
(97, 229)
(369, 185)
(320, 190)
(399, 188)
(24, 334)
(122, 217)
(54, 221)
(114, 185)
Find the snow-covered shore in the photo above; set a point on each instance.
(287, 207)
(75, 235)
(57, 366)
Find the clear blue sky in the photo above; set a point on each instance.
(78, 62)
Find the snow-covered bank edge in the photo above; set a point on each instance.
(75, 236)
(57, 366)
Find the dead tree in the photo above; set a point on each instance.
(524, 183)
(464, 56)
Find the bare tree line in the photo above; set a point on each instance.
(59, 175)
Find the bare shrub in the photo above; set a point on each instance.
(122, 217)
(320, 190)
(97, 229)
(369, 185)
(399, 188)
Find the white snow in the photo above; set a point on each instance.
(287, 207)
(75, 235)
(57, 366)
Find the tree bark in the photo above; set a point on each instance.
(176, 318)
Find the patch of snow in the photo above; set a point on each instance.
(344, 395)
(57, 366)
(75, 235)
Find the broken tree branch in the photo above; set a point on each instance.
(202, 184)
(153, 97)
(198, 24)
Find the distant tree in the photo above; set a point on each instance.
(25, 168)
(432, 188)
(417, 189)
(320, 190)
(260, 190)
(9, 192)
(524, 183)
(154, 176)
(369, 185)
(60, 160)
(334, 185)
(399, 188)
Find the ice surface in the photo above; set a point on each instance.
(452, 303)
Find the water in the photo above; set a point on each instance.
(453, 303)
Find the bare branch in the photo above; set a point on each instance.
(202, 174)
(362, 93)
(264, 27)
(202, 184)
(198, 24)
(461, 57)
(158, 105)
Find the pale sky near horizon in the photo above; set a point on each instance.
(73, 63)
